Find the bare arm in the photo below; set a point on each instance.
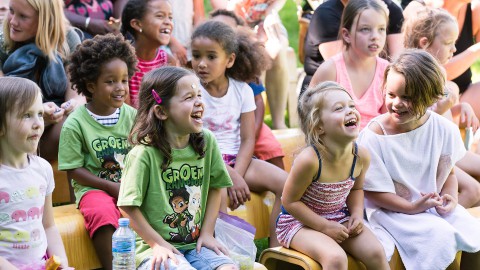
(259, 115)
(461, 62)
(247, 137)
(218, 4)
(118, 8)
(55, 244)
(395, 44)
(5, 265)
(86, 178)
(355, 198)
(325, 72)
(329, 49)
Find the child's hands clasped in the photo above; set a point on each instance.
(52, 114)
(427, 201)
(448, 204)
(162, 253)
(208, 241)
(336, 231)
(355, 225)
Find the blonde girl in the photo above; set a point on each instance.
(28, 229)
(323, 197)
(224, 60)
(35, 46)
(358, 68)
(435, 31)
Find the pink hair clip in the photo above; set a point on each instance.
(157, 98)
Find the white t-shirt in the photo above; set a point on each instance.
(222, 115)
(22, 197)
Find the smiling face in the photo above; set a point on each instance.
(157, 23)
(23, 21)
(111, 88)
(368, 33)
(443, 45)
(397, 101)
(210, 60)
(23, 131)
(339, 116)
(183, 114)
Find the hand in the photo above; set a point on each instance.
(115, 24)
(239, 193)
(449, 203)
(336, 231)
(52, 114)
(427, 201)
(100, 27)
(179, 52)
(208, 241)
(161, 254)
(69, 106)
(468, 117)
(355, 225)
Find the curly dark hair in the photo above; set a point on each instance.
(148, 129)
(228, 13)
(89, 57)
(251, 57)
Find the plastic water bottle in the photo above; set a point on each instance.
(123, 246)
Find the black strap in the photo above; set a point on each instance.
(319, 163)
(354, 161)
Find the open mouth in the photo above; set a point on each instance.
(351, 123)
(166, 31)
(374, 47)
(197, 116)
(400, 113)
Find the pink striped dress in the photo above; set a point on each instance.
(142, 68)
(325, 199)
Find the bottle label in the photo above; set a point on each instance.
(122, 246)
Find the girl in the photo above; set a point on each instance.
(224, 60)
(358, 67)
(411, 178)
(172, 158)
(150, 24)
(94, 137)
(322, 201)
(29, 234)
(34, 45)
(436, 31)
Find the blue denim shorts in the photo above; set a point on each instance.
(207, 259)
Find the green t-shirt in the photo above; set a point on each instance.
(100, 149)
(173, 201)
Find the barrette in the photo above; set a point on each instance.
(157, 98)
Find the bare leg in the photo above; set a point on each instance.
(277, 161)
(262, 176)
(102, 241)
(321, 248)
(366, 248)
(470, 261)
(276, 82)
(468, 189)
(472, 96)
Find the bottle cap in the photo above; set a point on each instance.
(123, 222)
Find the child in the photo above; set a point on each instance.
(34, 44)
(96, 134)
(173, 160)
(29, 234)
(224, 61)
(435, 31)
(150, 24)
(322, 200)
(266, 145)
(359, 68)
(411, 178)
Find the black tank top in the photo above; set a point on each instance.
(465, 40)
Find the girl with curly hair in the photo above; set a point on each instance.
(224, 60)
(94, 133)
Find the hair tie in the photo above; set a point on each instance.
(157, 98)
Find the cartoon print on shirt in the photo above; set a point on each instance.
(111, 169)
(194, 208)
(179, 200)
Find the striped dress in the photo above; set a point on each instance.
(143, 67)
(325, 199)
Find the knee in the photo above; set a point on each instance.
(228, 267)
(376, 257)
(335, 260)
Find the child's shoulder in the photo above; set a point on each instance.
(129, 110)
